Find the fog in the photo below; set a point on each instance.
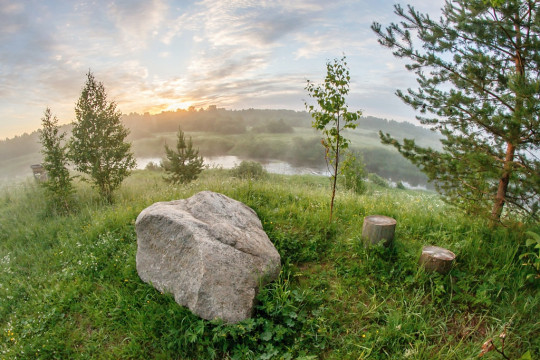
(282, 140)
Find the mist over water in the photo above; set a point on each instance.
(230, 161)
(272, 166)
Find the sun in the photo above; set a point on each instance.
(172, 105)
(177, 105)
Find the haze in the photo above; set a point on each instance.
(163, 55)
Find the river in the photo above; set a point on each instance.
(272, 166)
(229, 161)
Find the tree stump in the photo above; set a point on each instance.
(378, 228)
(436, 258)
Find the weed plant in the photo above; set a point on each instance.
(69, 288)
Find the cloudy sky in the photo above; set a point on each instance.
(156, 55)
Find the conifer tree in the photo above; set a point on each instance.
(55, 162)
(478, 73)
(184, 164)
(331, 116)
(98, 147)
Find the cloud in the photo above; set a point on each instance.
(12, 19)
(236, 40)
(137, 20)
(158, 54)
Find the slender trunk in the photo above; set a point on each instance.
(503, 184)
(334, 188)
(336, 168)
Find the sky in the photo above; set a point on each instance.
(161, 55)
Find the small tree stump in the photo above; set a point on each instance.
(378, 228)
(436, 258)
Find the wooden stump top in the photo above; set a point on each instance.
(439, 253)
(437, 259)
(378, 228)
(380, 220)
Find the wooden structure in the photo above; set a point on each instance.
(40, 174)
(378, 228)
(436, 258)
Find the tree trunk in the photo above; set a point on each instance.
(503, 184)
(378, 228)
(514, 133)
(437, 259)
(336, 168)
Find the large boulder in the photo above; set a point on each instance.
(209, 251)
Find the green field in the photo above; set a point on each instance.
(69, 288)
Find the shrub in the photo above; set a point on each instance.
(152, 166)
(354, 172)
(249, 170)
(377, 180)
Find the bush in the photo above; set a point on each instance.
(249, 170)
(377, 180)
(152, 166)
(354, 172)
(400, 186)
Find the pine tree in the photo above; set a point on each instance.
(98, 147)
(332, 116)
(478, 73)
(183, 165)
(55, 162)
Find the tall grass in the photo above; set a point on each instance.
(69, 287)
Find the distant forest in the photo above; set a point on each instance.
(224, 121)
(252, 134)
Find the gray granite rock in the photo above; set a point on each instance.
(209, 251)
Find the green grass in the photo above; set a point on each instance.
(69, 288)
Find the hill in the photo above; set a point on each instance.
(261, 135)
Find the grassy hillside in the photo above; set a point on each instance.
(69, 288)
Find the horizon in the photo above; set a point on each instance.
(155, 56)
(28, 133)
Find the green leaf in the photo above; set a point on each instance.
(266, 336)
(530, 242)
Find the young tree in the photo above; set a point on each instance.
(55, 161)
(183, 165)
(331, 116)
(478, 72)
(98, 146)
